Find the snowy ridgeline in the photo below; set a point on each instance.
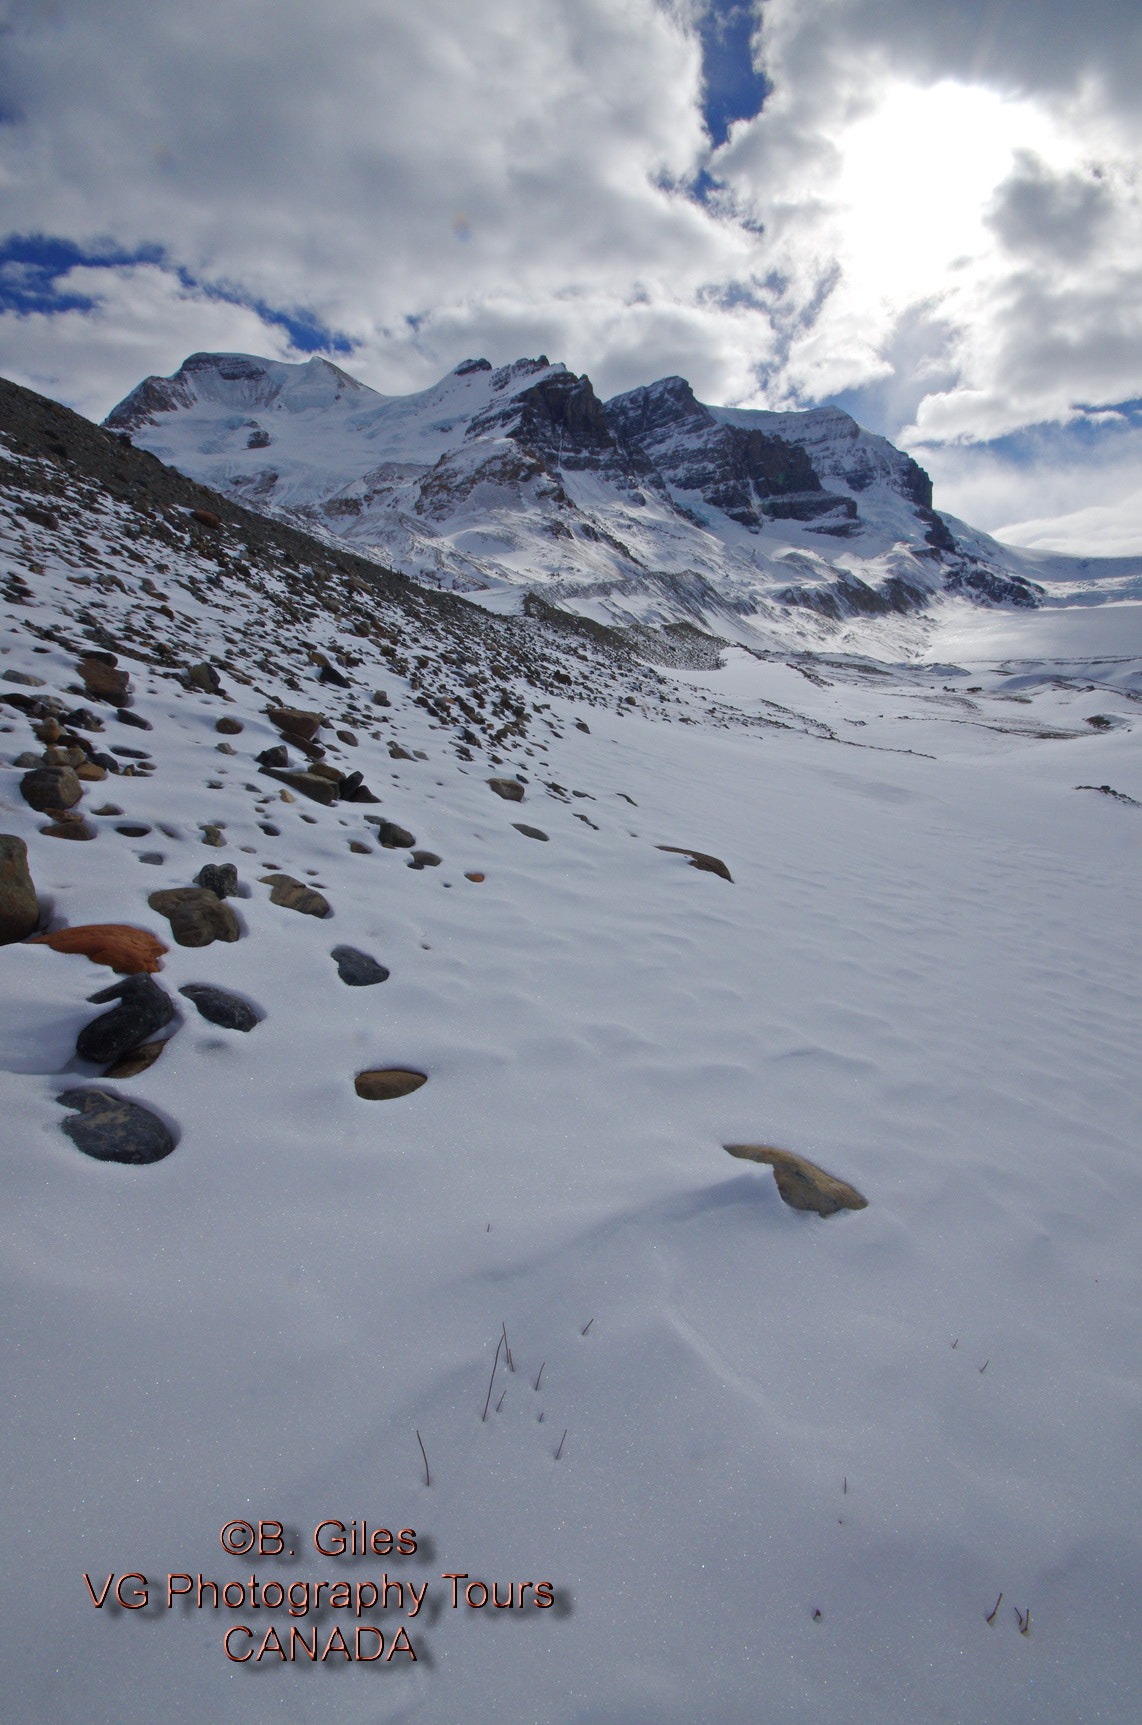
(443, 1249)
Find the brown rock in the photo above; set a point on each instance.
(700, 859)
(68, 826)
(295, 722)
(103, 682)
(50, 788)
(90, 773)
(228, 727)
(295, 895)
(385, 1085)
(474, 876)
(128, 951)
(205, 678)
(19, 912)
(325, 770)
(510, 789)
(314, 785)
(802, 1184)
(139, 1060)
(359, 849)
(396, 753)
(205, 518)
(196, 915)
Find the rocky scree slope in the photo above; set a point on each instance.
(651, 507)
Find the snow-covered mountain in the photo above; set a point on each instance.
(651, 507)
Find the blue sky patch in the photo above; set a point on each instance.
(731, 87)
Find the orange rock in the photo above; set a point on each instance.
(476, 877)
(127, 950)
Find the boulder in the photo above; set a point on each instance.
(295, 895)
(392, 837)
(295, 721)
(802, 1184)
(313, 785)
(278, 756)
(143, 1007)
(357, 968)
(50, 788)
(113, 1130)
(700, 859)
(126, 717)
(220, 1007)
(219, 878)
(68, 826)
(510, 789)
(197, 916)
(228, 727)
(384, 1085)
(102, 681)
(19, 912)
(127, 951)
(203, 677)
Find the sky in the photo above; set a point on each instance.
(926, 211)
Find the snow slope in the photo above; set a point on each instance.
(650, 507)
(774, 1466)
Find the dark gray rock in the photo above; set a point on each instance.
(143, 1007)
(219, 878)
(390, 835)
(357, 968)
(196, 915)
(510, 789)
(530, 832)
(314, 785)
(277, 756)
(113, 1130)
(19, 912)
(126, 717)
(424, 859)
(215, 1004)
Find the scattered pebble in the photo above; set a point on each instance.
(387, 1084)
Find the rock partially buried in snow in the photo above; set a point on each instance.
(295, 722)
(802, 1184)
(424, 859)
(142, 1008)
(295, 895)
(140, 1059)
(530, 832)
(128, 951)
(50, 788)
(114, 1130)
(387, 1084)
(357, 968)
(19, 912)
(219, 878)
(313, 785)
(700, 859)
(196, 915)
(220, 1007)
(390, 835)
(510, 789)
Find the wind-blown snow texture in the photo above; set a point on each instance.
(798, 1459)
(650, 507)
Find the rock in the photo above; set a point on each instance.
(126, 717)
(313, 785)
(356, 847)
(326, 770)
(113, 1130)
(295, 895)
(139, 1060)
(424, 859)
(108, 809)
(143, 1007)
(132, 831)
(50, 788)
(83, 719)
(203, 677)
(529, 832)
(206, 518)
(219, 1007)
(228, 727)
(475, 877)
(582, 725)
(102, 681)
(270, 830)
(392, 837)
(27, 759)
(219, 878)
(129, 754)
(355, 790)
(278, 756)
(295, 721)
(329, 674)
(19, 912)
(68, 826)
(385, 1085)
(90, 773)
(510, 789)
(399, 754)
(213, 835)
(349, 737)
(155, 857)
(197, 916)
(380, 699)
(699, 859)
(802, 1184)
(225, 749)
(357, 968)
(25, 678)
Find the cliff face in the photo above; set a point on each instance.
(521, 476)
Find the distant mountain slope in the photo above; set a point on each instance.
(651, 507)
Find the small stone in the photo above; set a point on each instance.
(225, 749)
(108, 809)
(380, 699)
(139, 1060)
(529, 832)
(126, 717)
(348, 737)
(475, 877)
(387, 1084)
(228, 727)
(196, 915)
(802, 1184)
(88, 772)
(510, 789)
(220, 1007)
(155, 857)
(295, 895)
(19, 911)
(700, 859)
(581, 725)
(391, 836)
(24, 678)
(203, 677)
(143, 1007)
(399, 754)
(113, 1130)
(269, 829)
(69, 827)
(424, 859)
(356, 847)
(219, 878)
(50, 788)
(357, 968)
(212, 835)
